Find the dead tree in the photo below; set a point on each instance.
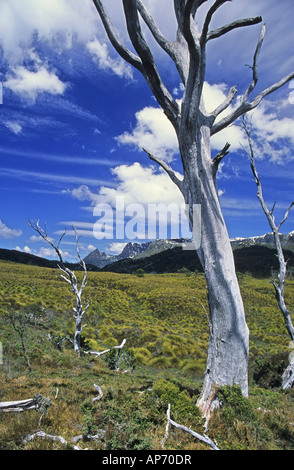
(227, 361)
(70, 277)
(20, 322)
(288, 376)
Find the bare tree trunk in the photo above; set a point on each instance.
(227, 361)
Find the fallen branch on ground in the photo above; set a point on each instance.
(99, 390)
(39, 403)
(100, 353)
(43, 435)
(201, 437)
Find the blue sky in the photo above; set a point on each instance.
(75, 117)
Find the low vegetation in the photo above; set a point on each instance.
(163, 318)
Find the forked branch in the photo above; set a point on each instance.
(202, 438)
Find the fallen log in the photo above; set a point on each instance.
(38, 402)
(44, 435)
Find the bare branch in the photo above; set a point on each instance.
(217, 4)
(173, 49)
(286, 215)
(218, 158)
(255, 65)
(270, 90)
(44, 435)
(216, 33)
(127, 55)
(226, 103)
(164, 43)
(35, 225)
(167, 169)
(99, 390)
(245, 105)
(149, 70)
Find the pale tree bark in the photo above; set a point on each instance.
(288, 376)
(70, 277)
(227, 362)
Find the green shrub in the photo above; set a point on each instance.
(183, 407)
(235, 406)
(139, 272)
(267, 371)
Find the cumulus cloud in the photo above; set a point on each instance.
(273, 135)
(29, 84)
(8, 233)
(43, 252)
(136, 184)
(144, 199)
(21, 22)
(115, 248)
(154, 132)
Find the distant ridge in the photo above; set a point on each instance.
(21, 257)
(256, 260)
(256, 255)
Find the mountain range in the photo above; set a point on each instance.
(136, 251)
(256, 255)
(252, 254)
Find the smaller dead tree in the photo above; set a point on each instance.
(20, 321)
(69, 276)
(279, 285)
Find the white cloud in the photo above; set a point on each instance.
(38, 238)
(15, 127)
(52, 178)
(90, 248)
(115, 248)
(55, 21)
(43, 252)
(101, 55)
(143, 185)
(29, 84)
(153, 132)
(143, 194)
(273, 135)
(8, 233)
(136, 184)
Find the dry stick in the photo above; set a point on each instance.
(99, 390)
(100, 353)
(44, 435)
(201, 437)
(20, 405)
